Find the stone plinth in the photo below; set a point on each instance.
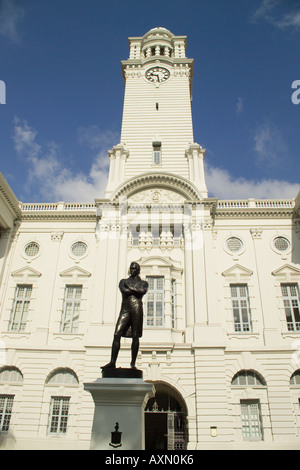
(119, 400)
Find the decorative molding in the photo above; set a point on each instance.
(156, 196)
(75, 274)
(159, 262)
(9, 198)
(237, 273)
(243, 336)
(287, 273)
(256, 233)
(57, 236)
(158, 180)
(26, 274)
(133, 71)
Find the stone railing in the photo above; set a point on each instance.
(221, 204)
(256, 204)
(59, 206)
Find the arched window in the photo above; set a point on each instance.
(62, 376)
(10, 374)
(248, 378)
(295, 378)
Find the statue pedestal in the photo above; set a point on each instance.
(119, 397)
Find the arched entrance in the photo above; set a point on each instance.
(165, 420)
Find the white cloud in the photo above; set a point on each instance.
(240, 105)
(269, 145)
(10, 15)
(273, 12)
(222, 184)
(53, 182)
(49, 179)
(96, 138)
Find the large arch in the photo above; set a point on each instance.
(166, 419)
(158, 180)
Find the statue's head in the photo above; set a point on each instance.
(134, 269)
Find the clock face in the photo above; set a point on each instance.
(157, 74)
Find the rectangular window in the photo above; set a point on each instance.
(155, 302)
(70, 315)
(59, 415)
(290, 294)
(6, 404)
(156, 153)
(20, 307)
(251, 420)
(240, 306)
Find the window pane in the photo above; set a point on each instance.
(59, 415)
(79, 249)
(154, 305)
(281, 244)
(6, 404)
(250, 416)
(32, 249)
(71, 312)
(290, 294)
(240, 306)
(234, 244)
(20, 307)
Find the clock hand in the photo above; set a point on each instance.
(152, 74)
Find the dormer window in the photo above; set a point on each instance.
(156, 153)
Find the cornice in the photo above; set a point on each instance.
(254, 213)
(56, 216)
(9, 197)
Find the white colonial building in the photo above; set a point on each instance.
(221, 339)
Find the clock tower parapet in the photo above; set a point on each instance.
(158, 43)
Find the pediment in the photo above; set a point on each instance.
(75, 274)
(156, 260)
(26, 274)
(158, 263)
(237, 273)
(287, 273)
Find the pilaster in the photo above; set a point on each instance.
(118, 156)
(195, 155)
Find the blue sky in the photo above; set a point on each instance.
(60, 62)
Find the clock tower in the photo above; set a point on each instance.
(157, 128)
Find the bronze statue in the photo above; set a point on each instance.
(130, 321)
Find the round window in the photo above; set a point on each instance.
(281, 244)
(32, 249)
(78, 249)
(234, 244)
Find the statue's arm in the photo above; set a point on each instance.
(141, 288)
(123, 287)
